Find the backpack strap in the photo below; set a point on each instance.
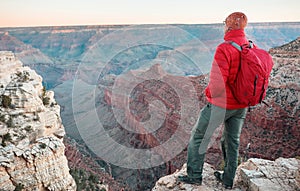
(240, 48)
(236, 45)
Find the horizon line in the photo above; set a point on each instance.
(132, 24)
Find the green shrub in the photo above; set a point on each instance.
(84, 180)
(10, 122)
(19, 187)
(19, 74)
(6, 101)
(28, 128)
(6, 137)
(44, 91)
(46, 101)
(2, 118)
(43, 145)
(93, 178)
(23, 77)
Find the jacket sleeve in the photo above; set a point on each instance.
(219, 74)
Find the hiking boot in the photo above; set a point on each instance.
(188, 180)
(219, 177)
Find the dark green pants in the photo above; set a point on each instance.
(210, 118)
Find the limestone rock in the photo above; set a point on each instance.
(32, 149)
(253, 175)
(209, 183)
(281, 174)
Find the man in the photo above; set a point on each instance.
(222, 108)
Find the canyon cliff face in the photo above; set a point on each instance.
(164, 105)
(273, 131)
(87, 172)
(31, 132)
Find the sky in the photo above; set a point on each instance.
(20, 13)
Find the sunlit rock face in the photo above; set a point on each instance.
(31, 132)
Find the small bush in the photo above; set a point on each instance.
(2, 118)
(44, 91)
(43, 145)
(93, 178)
(19, 187)
(6, 101)
(10, 122)
(23, 77)
(46, 101)
(5, 138)
(19, 74)
(28, 128)
(84, 179)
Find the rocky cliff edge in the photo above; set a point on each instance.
(31, 133)
(283, 174)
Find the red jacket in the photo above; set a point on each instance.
(224, 70)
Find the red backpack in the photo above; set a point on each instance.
(252, 79)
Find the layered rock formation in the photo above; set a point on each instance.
(31, 132)
(253, 175)
(176, 103)
(289, 50)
